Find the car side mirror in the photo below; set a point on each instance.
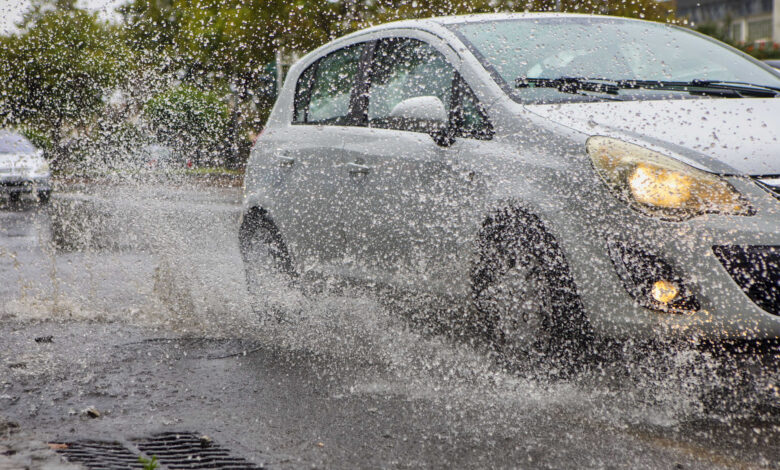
(424, 114)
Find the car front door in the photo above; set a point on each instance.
(410, 201)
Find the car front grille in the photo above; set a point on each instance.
(756, 269)
(771, 184)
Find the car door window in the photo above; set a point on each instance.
(324, 90)
(405, 68)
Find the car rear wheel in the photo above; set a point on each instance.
(525, 299)
(267, 263)
(44, 196)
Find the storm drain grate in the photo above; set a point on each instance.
(173, 450)
(96, 454)
(190, 451)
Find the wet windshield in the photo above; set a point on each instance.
(604, 48)
(11, 142)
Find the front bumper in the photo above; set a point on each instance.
(10, 184)
(727, 308)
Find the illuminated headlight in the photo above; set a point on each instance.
(660, 186)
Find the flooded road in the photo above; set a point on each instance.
(130, 300)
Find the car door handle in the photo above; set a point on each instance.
(358, 169)
(284, 160)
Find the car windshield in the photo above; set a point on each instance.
(11, 142)
(602, 48)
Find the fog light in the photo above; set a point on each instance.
(664, 291)
(650, 279)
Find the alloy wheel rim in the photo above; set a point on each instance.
(521, 311)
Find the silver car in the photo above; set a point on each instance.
(22, 167)
(538, 178)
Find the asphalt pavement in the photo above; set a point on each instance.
(123, 317)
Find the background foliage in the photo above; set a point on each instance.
(196, 73)
(185, 117)
(56, 70)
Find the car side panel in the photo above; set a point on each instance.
(294, 174)
(412, 214)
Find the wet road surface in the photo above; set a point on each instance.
(141, 292)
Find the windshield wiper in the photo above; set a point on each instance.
(612, 87)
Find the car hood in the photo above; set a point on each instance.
(739, 136)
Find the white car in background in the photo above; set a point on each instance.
(22, 167)
(538, 177)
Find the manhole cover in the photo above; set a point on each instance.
(173, 450)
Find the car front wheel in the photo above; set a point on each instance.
(525, 299)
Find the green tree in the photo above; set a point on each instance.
(189, 119)
(56, 69)
(386, 10)
(38, 9)
(227, 37)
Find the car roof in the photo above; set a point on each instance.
(437, 22)
(438, 25)
(512, 16)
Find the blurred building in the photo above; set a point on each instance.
(748, 21)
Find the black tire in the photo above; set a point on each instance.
(44, 197)
(266, 259)
(515, 245)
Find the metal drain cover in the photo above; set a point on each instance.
(173, 450)
(189, 450)
(97, 454)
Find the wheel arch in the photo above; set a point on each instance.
(257, 219)
(498, 230)
(515, 224)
